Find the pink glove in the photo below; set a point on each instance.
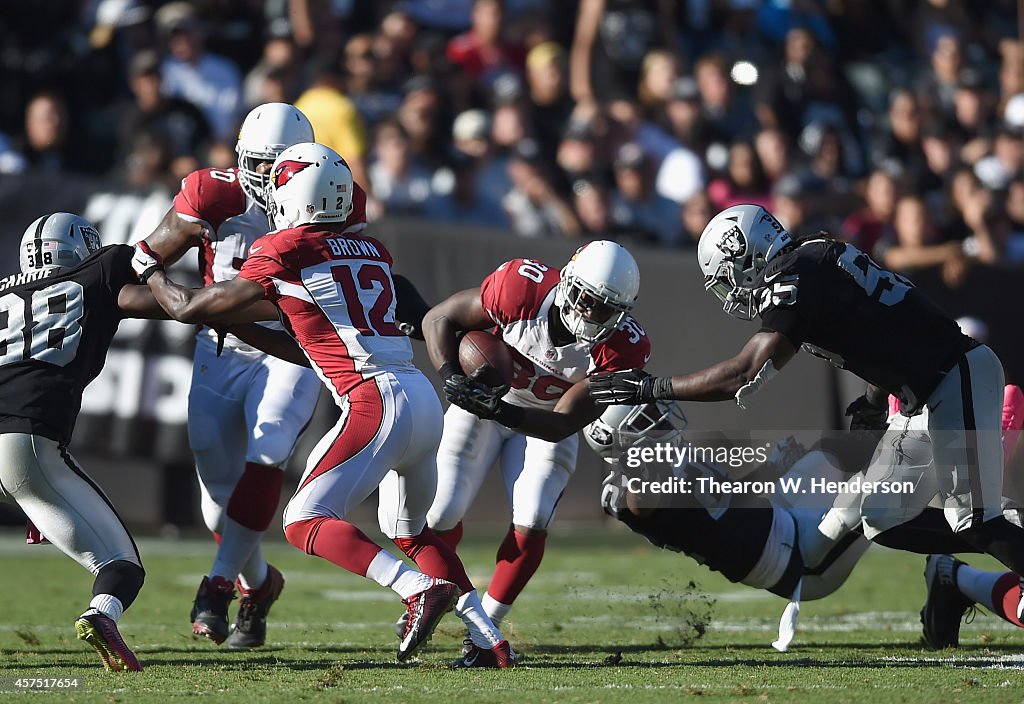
(32, 534)
(1013, 418)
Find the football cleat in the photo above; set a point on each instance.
(101, 633)
(945, 605)
(425, 610)
(210, 609)
(499, 657)
(250, 627)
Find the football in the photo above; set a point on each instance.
(481, 350)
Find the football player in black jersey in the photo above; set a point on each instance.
(58, 317)
(834, 301)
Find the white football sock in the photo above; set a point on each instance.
(483, 632)
(254, 572)
(108, 605)
(495, 609)
(977, 584)
(236, 545)
(387, 571)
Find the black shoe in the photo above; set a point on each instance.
(498, 657)
(250, 627)
(402, 625)
(210, 609)
(945, 605)
(425, 611)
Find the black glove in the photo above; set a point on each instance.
(471, 394)
(630, 387)
(865, 415)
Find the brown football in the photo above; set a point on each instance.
(479, 349)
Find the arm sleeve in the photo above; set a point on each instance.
(409, 306)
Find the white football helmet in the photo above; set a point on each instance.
(267, 131)
(622, 427)
(603, 280)
(734, 248)
(57, 240)
(309, 183)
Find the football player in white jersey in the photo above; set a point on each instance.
(560, 327)
(335, 292)
(246, 409)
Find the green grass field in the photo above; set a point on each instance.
(607, 618)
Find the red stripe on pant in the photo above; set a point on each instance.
(364, 421)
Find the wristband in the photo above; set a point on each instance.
(509, 415)
(661, 389)
(448, 370)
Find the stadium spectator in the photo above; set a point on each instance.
(45, 145)
(178, 123)
(864, 228)
(400, 182)
(636, 207)
(374, 99)
(275, 79)
(458, 197)
(695, 215)
(421, 116)
(726, 112)
(483, 52)
(658, 75)
(336, 122)
(548, 93)
(773, 151)
(533, 206)
(611, 40)
(936, 86)
(682, 115)
(210, 82)
(744, 180)
(916, 243)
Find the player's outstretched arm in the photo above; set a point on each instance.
(139, 302)
(174, 236)
(220, 302)
(572, 412)
(743, 375)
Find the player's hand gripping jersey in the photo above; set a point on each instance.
(518, 297)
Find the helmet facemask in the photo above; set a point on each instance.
(254, 183)
(588, 314)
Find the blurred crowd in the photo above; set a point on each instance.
(897, 124)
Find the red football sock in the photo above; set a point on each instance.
(452, 537)
(518, 559)
(254, 499)
(334, 540)
(1006, 597)
(434, 558)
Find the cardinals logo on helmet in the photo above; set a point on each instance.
(286, 170)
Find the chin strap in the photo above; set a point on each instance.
(754, 385)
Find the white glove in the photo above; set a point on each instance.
(146, 262)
